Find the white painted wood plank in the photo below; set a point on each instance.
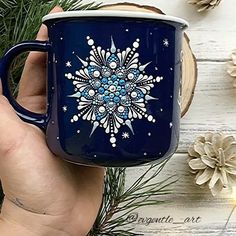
(221, 18)
(213, 107)
(209, 45)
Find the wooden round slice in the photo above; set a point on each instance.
(189, 67)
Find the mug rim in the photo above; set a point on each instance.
(114, 13)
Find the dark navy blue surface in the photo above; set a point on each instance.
(151, 141)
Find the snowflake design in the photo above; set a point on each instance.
(125, 135)
(68, 64)
(113, 88)
(166, 42)
(64, 108)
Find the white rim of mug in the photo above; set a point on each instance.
(114, 13)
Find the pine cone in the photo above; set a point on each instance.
(205, 4)
(212, 158)
(232, 67)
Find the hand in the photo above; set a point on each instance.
(44, 195)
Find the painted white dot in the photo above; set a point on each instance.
(146, 115)
(102, 109)
(75, 118)
(112, 139)
(90, 42)
(150, 118)
(71, 120)
(130, 76)
(113, 65)
(127, 30)
(153, 120)
(91, 92)
(58, 138)
(149, 134)
(113, 145)
(96, 73)
(138, 40)
(134, 94)
(78, 131)
(121, 109)
(161, 110)
(145, 154)
(88, 37)
(112, 88)
(69, 76)
(135, 44)
(95, 155)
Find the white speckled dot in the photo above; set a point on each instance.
(69, 76)
(113, 65)
(130, 76)
(121, 109)
(150, 118)
(96, 73)
(102, 109)
(91, 92)
(75, 118)
(135, 44)
(112, 139)
(134, 94)
(90, 42)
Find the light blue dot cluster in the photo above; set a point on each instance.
(113, 86)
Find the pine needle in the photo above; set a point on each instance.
(20, 20)
(119, 202)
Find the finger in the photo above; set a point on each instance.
(33, 82)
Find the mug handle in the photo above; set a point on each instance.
(39, 120)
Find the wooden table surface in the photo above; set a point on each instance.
(194, 210)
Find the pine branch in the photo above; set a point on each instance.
(118, 202)
(20, 20)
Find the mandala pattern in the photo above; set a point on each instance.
(112, 88)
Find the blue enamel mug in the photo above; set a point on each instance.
(113, 86)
